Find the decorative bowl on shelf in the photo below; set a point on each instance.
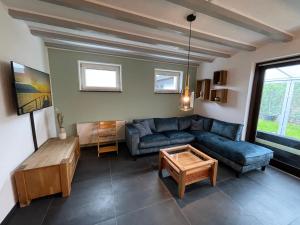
(217, 99)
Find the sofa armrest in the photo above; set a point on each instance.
(132, 137)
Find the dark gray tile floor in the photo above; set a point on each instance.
(115, 190)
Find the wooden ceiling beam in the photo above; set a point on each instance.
(134, 55)
(71, 24)
(213, 10)
(114, 44)
(134, 18)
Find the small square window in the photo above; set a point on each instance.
(99, 76)
(167, 81)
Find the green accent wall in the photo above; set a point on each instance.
(137, 100)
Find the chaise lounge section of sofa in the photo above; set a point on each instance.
(219, 139)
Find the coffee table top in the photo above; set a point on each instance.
(186, 157)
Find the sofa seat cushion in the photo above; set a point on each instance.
(243, 153)
(154, 140)
(200, 134)
(179, 137)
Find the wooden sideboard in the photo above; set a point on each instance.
(48, 171)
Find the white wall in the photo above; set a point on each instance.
(239, 82)
(17, 44)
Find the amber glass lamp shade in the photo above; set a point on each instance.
(186, 98)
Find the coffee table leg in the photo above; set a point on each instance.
(213, 175)
(181, 184)
(160, 163)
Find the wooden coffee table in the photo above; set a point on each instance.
(187, 165)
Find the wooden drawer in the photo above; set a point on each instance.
(40, 182)
(72, 165)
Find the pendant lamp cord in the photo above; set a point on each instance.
(188, 66)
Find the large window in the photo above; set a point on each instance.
(99, 76)
(293, 129)
(167, 81)
(280, 105)
(275, 122)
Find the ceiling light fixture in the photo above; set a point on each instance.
(187, 97)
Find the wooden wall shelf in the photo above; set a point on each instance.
(220, 77)
(218, 95)
(202, 89)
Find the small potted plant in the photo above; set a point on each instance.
(60, 119)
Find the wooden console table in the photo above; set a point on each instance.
(48, 171)
(88, 132)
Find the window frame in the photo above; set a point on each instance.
(82, 65)
(169, 91)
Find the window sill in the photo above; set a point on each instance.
(167, 92)
(119, 91)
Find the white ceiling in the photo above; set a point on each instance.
(89, 34)
(282, 14)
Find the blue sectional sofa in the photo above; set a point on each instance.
(218, 139)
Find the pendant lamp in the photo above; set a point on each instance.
(187, 97)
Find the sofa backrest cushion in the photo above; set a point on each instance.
(185, 122)
(166, 124)
(197, 125)
(150, 122)
(207, 122)
(239, 132)
(143, 128)
(228, 130)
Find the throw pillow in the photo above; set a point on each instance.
(197, 125)
(143, 128)
(150, 121)
(184, 123)
(207, 123)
